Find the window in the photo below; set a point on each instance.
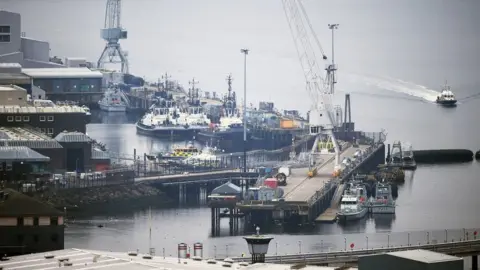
(42, 118)
(20, 238)
(35, 221)
(26, 119)
(50, 131)
(4, 38)
(5, 29)
(18, 118)
(54, 221)
(55, 238)
(50, 118)
(43, 130)
(20, 221)
(10, 118)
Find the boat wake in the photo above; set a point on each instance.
(400, 86)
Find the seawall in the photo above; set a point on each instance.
(104, 198)
(443, 156)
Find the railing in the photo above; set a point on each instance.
(350, 246)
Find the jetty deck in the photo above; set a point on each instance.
(300, 187)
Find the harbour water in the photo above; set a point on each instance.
(411, 47)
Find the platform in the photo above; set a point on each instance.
(329, 216)
(300, 187)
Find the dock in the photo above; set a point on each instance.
(314, 199)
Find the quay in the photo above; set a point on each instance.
(306, 198)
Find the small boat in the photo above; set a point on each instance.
(353, 204)
(113, 101)
(383, 202)
(447, 98)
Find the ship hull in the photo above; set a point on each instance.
(447, 103)
(110, 108)
(382, 209)
(178, 133)
(350, 216)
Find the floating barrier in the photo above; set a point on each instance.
(442, 156)
(477, 155)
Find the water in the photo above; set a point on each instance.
(393, 58)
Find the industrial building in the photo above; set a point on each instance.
(16, 48)
(27, 225)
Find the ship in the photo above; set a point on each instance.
(167, 119)
(382, 202)
(18, 109)
(353, 204)
(113, 101)
(226, 135)
(446, 97)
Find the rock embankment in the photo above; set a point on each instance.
(100, 198)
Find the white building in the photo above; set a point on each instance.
(15, 48)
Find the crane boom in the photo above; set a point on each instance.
(321, 112)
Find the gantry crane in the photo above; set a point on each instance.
(321, 90)
(112, 33)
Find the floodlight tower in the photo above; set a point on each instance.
(112, 33)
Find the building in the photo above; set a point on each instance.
(20, 166)
(75, 84)
(17, 111)
(28, 225)
(16, 48)
(68, 151)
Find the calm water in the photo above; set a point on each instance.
(392, 58)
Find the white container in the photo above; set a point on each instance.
(182, 250)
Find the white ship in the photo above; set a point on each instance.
(353, 204)
(113, 100)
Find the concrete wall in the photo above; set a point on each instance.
(35, 49)
(30, 63)
(14, 21)
(14, 98)
(15, 57)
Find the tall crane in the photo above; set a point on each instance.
(321, 116)
(112, 33)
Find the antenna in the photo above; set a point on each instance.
(150, 229)
(193, 90)
(229, 81)
(165, 78)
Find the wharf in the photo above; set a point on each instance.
(305, 198)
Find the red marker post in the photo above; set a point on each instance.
(475, 235)
(352, 245)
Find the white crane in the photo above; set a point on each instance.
(321, 118)
(112, 33)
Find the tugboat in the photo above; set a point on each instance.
(447, 98)
(229, 131)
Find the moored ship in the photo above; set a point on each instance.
(113, 101)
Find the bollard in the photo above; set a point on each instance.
(198, 250)
(182, 251)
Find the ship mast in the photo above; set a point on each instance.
(193, 92)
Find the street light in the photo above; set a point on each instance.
(245, 52)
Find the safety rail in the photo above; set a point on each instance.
(454, 242)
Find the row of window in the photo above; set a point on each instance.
(5, 29)
(42, 118)
(48, 131)
(53, 221)
(4, 38)
(36, 238)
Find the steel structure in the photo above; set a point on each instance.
(112, 33)
(321, 116)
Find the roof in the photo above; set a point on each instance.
(21, 153)
(83, 259)
(72, 137)
(50, 73)
(425, 256)
(227, 188)
(99, 154)
(11, 88)
(19, 136)
(10, 65)
(18, 204)
(14, 77)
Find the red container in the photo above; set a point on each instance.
(271, 182)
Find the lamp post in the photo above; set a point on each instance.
(245, 53)
(258, 246)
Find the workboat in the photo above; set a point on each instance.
(353, 204)
(446, 98)
(205, 158)
(382, 202)
(113, 101)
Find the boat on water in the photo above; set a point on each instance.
(113, 101)
(382, 202)
(166, 119)
(227, 134)
(446, 97)
(353, 205)
(206, 158)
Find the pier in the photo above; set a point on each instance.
(306, 198)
